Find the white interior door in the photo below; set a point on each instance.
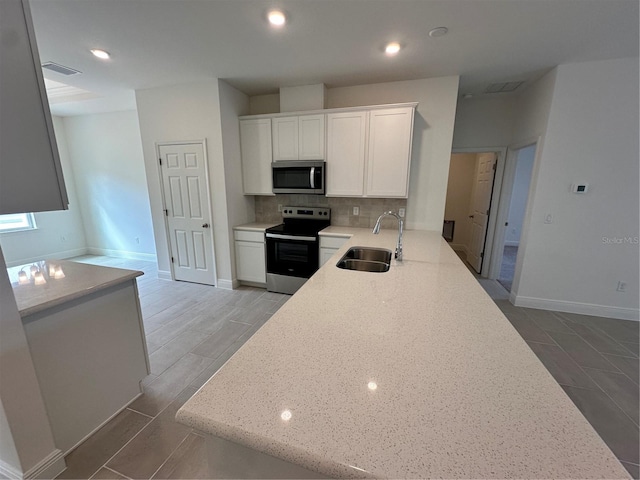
(480, 203)
(186, 197)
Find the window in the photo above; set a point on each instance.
(17, 222)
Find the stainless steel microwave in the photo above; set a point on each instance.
(298, 177)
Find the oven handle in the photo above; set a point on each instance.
(312, 177)
(290, 237)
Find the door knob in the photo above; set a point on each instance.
(205, 225)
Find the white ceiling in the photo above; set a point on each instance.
(336, 42)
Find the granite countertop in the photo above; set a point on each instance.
(255, 226)
(412, 373)
(80, 279)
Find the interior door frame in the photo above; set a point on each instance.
(202, 142)
(501, 154)
(503, 210)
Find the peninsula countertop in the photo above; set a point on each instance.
(412, 373)
(80, 279)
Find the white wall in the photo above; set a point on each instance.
(259, 104)
(519, 194)
(432, 138)
(591, 136)
(59, 234)
(484, 121)
(106, 154)
(240, 208)
(189, 112)
(459, 187)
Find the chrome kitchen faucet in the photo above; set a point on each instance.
(376, 230)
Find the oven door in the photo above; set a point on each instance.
(292, 255)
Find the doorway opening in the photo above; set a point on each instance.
(524, 158)
(471, 204)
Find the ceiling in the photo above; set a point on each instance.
(335, 42)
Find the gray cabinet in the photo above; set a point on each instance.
(30, 172)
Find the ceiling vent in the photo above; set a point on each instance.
(56, 67)
(504, 87)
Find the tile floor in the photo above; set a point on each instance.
(192, 330)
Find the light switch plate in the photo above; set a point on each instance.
(356, 211)
(401, 212)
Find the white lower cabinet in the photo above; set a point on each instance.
(329, 246)
(250, 256)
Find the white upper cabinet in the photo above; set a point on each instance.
(346, 154)
(30, 172)
(312, 139)
(389, 155)
(369, 153)
(285, 138)
(256, 151)
(298, 138)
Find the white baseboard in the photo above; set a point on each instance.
(252, 284)
(511, 244)
(574, 307)
(49, 467)
(149, 257)
(227, 284)
(57, 255)
(164, 275)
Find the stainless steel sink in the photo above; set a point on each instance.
(366, 259)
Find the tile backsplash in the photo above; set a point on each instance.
(341, 209)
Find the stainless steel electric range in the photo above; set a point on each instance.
(293, 247)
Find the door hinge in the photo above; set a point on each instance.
(487, 212)
(166, 213)
(494, 166)
(481, 255)
(160, 161)
(172, 260)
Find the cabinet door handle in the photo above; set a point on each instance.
(205, 225)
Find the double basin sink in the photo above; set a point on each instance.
(366, 259)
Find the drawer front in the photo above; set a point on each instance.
(247, 236)
(332, 242)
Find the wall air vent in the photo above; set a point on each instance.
(504, 87)
(56, 67)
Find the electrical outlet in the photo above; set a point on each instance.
(401, 212)
(356, 211)
(622, 287)
(279, 207)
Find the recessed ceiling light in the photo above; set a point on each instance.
(392, 48)
(277, 18)
(101, 54)
(438, 32)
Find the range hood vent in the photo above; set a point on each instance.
(56, 67)
(504, 87)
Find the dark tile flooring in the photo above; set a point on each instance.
(192, 330)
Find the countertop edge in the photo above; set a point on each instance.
(254, 226)
(79, 294)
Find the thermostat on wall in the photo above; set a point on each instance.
(580, 187)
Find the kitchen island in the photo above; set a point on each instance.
(84, 329)
(411, 373)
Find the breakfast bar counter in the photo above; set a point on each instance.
(84, 329)
(411, 373)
